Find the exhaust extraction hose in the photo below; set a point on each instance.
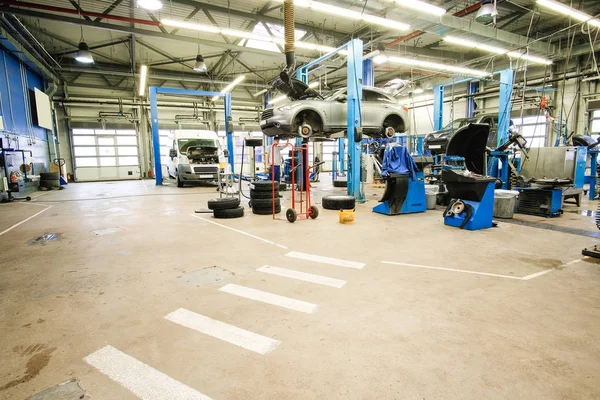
(289, 29)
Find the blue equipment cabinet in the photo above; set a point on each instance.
(405, 183)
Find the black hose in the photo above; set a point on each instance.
(242, 170)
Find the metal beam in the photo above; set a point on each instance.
(177, 60)
(164, 53)
(211, 19)
(109, 9)
(95, 47)
(74, 3)
(138, 31)
(153, 18)
(190, 16)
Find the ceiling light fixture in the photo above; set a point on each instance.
(200, 65)
(228, 88)
(496, 50)
(571, 12)
(422, 7)
(143, 77)
(83, 55)
(151, 5)
(346, 13)
(314, 84)
(487, 13)
(255, 95)
(426, 65)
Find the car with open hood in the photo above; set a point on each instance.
(437, 142)
(310, 115)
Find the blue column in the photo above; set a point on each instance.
(155, 137)
(354, 95)
(438, 107)
(472, 88)
(505, 106)
(368, 73)
(229, 131)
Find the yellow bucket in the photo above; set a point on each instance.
(346, 216)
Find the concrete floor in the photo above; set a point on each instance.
(130, 253)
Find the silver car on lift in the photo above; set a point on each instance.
(313, 116)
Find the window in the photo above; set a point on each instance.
(533, 129)
(595, 122)
(105, 148)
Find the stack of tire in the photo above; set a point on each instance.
(261, 198)
(49, 180)
(226, 207)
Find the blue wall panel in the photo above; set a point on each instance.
(14, 98)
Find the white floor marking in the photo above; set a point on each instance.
(34, 204)
(325, 260)
(238, 231)
(220, 330)
(302, 276)
(573, 262)
(142, 380)
(453, 270)
(528, 277)
(25, 220)
(270, 298)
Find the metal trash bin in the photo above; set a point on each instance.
(504, 203)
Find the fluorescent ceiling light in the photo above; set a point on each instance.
(380, 59)
(143, 76)
(260, 92)
(228, 88)
(314, 84)
(496, 50)
(421, 6)
(83, 55)
(151, 5)
(350, 14)
(411, 62)
(242, 34)
(571, 12)
(277, 99)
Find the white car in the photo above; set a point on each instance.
(194, 157)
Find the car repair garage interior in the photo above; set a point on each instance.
(299, 199)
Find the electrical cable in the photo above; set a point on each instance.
(242, 171)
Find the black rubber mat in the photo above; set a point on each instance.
(550, 227)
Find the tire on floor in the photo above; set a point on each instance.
(262, 186)
(338, 202)
(340, 183)
(263, 195)
(265, 203)
(224, 203)
(266, 210)
(229, 213)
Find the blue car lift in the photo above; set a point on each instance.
(354, 96)
(154, 91)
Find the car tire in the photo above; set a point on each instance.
(49, 176)
(262, 186)
(266, 210)
(225, 203)
(282, 187)
(229, 213)
(338, 202)
(264, 203)
(263, 195)
(179, 182)
(340, 183)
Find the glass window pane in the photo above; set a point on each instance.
(596, 126)
(596, 114)
(106, 141)
(128, 151)
(86, 162)
(106, 151)
(126, 132)
(84, 140)
(105, 132)
(83, 131)
(108, 161)
(127, 140)
(85, 151)
(128, 161)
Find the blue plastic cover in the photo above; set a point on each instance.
(397, 160)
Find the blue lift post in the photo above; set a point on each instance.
(438, 107)
(472, 88)
(354, 97)
(154, 91)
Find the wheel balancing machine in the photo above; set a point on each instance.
(471, 191)
(405, 184)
